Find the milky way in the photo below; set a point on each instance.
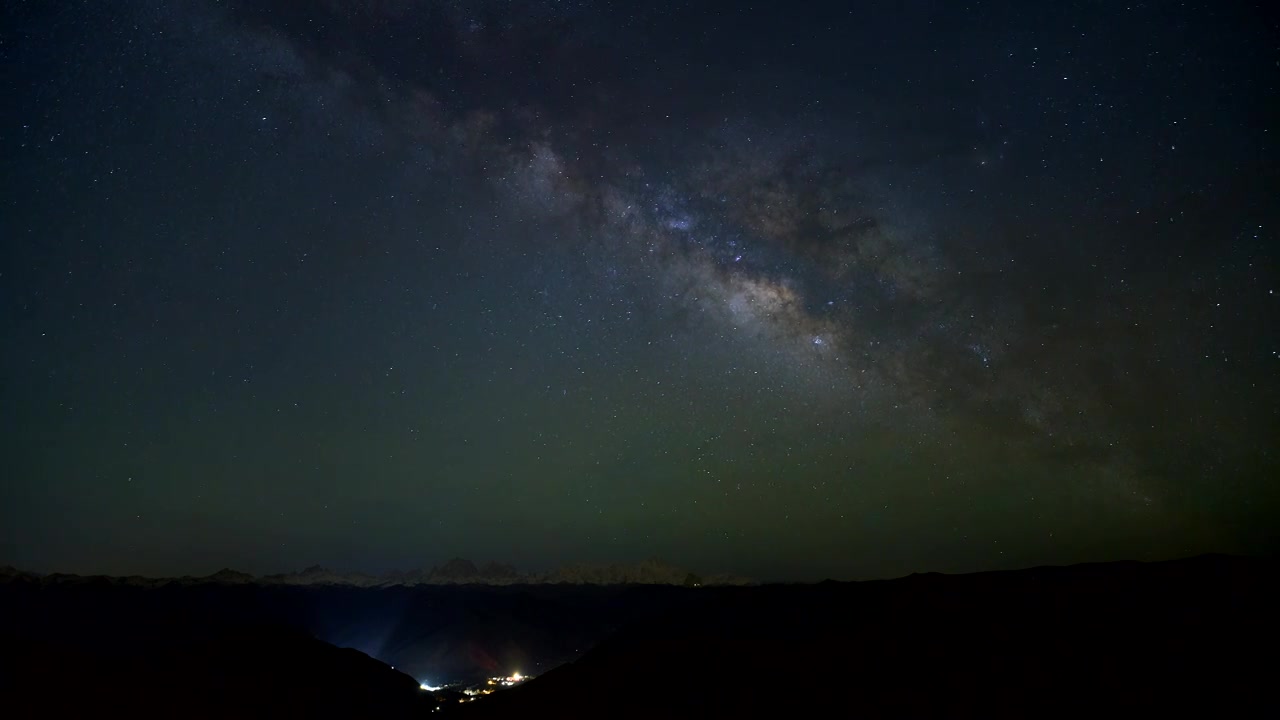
(775, 230)
(766, 231)
(882, 287)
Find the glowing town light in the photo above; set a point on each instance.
(429, 688)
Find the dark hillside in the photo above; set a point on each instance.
(1194, 634)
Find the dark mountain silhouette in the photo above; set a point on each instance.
(9, 573)
(230, 577)
(247, 672)
(440, 633)
(1186, 636)
(1177, 637)
(458, 571)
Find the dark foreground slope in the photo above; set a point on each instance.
(1193, 635)
(433, 633)
(246, 672)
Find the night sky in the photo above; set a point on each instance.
(786, 290)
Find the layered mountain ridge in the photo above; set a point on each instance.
(458, 571)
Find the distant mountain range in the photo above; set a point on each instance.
(457, 571)
(1178, 638)
(1182, 638)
